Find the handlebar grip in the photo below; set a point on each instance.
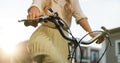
(26, 23)
(104, 28)
(34, 23)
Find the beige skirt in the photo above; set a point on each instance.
(48, 41)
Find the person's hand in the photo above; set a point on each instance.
(99, 40)
(33, 12)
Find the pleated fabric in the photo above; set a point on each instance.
(49, 42)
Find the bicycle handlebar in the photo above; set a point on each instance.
(59, 25)
(100, 35)
(56, 20)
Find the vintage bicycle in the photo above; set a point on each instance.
(73, 43)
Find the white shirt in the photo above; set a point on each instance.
(59, 6)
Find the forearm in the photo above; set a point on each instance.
(85, 25)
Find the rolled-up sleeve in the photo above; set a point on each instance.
(77, 12)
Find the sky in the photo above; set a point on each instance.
(99, 12)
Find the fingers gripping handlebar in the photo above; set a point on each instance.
(52, 18)
(43, 18)
(32, 22)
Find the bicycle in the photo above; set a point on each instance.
(73, 42)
